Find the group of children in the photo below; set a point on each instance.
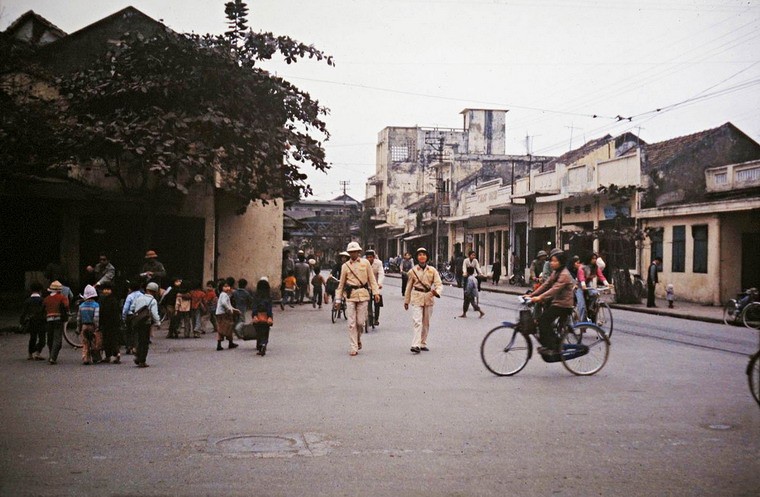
(292, 288)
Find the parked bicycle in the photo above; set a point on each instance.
(583, 347)
(447, 275)
(753, 375)
(517, 280)
(745, 309)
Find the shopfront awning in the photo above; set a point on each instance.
(385, 226)
(415, 237)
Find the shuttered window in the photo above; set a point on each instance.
(699, 234)
(679, 249)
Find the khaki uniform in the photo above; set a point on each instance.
(356, 275)
(422, 300)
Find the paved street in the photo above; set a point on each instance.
(670, 414)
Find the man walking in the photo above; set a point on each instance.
(379, 273)
(424, 285)
(356, 279)
(103, 271)
(652, 280)
(406, 265)
(302, 271)
(145, 311)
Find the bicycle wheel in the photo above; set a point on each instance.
(505, 351)
(585, 349)
(71, 334)
(334, 313)
(604, 318)
(753, 373)
(751, 315)
(729, 312)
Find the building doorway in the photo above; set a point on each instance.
(750, 262)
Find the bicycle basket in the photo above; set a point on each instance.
(527, 324)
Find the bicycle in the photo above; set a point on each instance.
(370, 313)
(583, 347)
(599, 312)
(517, 280)
(335, 313)
(749, 314)
(70, 328)
(753, 375)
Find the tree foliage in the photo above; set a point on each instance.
(173, 110)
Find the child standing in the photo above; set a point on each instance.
(56, 315)
(670, 295)
(318, 283)
(290, 285)
(182, 308)
(471, 293)
(210, 304)
(262, 314)
(110, 323)
(197, 306)
(33, 321)
(225, 315)
(88, 321)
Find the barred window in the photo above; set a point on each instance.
(699, 233)
(399, 153)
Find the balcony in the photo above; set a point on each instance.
(733, 177)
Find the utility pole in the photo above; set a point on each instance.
(437, 145)
(345, 217)
(572, 128)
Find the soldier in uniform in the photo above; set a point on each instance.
(356, 279)
(423, 286)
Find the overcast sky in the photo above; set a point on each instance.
(554, 64)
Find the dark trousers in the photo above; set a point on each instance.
(547, 332)
(303, 287)
(318, 295)
(111, 340)
(262, 335)
(130, 341)
(376, 310)
(54, 338)
(469, 301)
(404, 279)
(650, 294)
(143, 342)
(459, 280)
(37, 333)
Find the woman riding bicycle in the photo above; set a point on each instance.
(558, 290)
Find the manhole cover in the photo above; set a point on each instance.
(288, 445)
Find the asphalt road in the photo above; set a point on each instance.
(670, 414)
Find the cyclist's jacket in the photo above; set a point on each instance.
(559, 287)
(89, 313)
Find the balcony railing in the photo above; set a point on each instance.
(733, 177)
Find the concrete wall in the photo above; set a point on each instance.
(249, 245)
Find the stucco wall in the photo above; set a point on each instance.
(250, 245)
(694, 287)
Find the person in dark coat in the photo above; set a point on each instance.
(652, 280)
(110, 323)
(496, 270)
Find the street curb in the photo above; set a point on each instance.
(625, 307)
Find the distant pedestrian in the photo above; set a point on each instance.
(302, 272)
(262, 314)
(102, 272)
(537, 268)
(145, 311)
(210, 303)
(379, 272)
(110, 323)
(241, 300)
(458, 269)
(290, 287)
(197, 308)
(226, 315)
(652, 280)
(471, 293)
(332, 281)
(496, 270)
(56, 316)
(356, 281)
(670, 295)
(472, 261)
(88, 325)
(169, 301)
(153, 269)
(130, 337)
(406, 265)
(33, 322)
(317, 285)
(182, 308)
(424, 285)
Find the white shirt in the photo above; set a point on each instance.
(379, 272)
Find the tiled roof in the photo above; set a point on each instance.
(574, 155)
(30, 14)
(661, 153)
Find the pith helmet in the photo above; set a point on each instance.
(555, 251)
(344, 254)
(542, 253)
(353, 247)
(422, 249)
(369, 252)
(151, 254)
